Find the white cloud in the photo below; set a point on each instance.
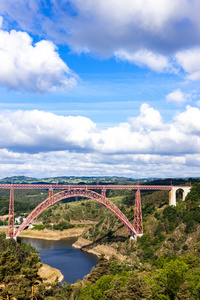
(148, 120)
(37, 131)
(145, 58)
(34, 68)
(177, 97)
(188, 122)
(106, 26)
(152, 34)
(158, 24)
(189, 60)
(64, 163)
(37, 143)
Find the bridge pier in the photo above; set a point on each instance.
(172, 197)
(51, 195)
(138, 214)
(103, 194)
(11, 217)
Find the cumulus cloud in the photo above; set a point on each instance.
(105, 26)
(32, 67)
(188, 121)
(38, 131)
(145, 58)
(154, 34)
(148, 120)
(177, 97)
(38, 143)
(189, 60)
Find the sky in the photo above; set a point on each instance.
(100, 88)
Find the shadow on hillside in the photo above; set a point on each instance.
(109, 237)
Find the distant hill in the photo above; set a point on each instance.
(100, 180)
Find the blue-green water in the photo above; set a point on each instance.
(73, 263)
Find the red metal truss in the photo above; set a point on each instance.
(72, 193)
(10, 231)
(51, 195)
(84, 186)
(138, 214)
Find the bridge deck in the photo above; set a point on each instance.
(85, 186)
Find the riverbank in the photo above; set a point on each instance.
(50, 274)
(81, 243)
(89, 246)
(55, 235)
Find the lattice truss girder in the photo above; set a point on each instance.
(101, 198)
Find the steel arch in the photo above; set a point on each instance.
(76, 192)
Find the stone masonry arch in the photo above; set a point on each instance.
(172, 193)
(72, 193)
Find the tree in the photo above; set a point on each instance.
(9, 267)
(184, 293)
(31, 278)
(101, 269)
(169, 279)
(136, 288)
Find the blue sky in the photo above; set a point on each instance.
(100, 87)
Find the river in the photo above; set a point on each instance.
(73, 263)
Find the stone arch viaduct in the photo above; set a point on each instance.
(174, 189)
(88, 191)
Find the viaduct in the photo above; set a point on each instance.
(88, 191)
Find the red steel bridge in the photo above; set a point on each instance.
(87, 191)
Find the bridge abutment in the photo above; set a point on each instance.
(174, 189)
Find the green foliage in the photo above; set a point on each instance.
(137, 288)
(185, 247)
(18, 269)
(62, 226)
(157, 215)
(194, 195)
(114, 281)
(19, 279)
(171, 215)
(169, 279)
(171, 239)
(39, 227)
(129, 199)
(91, 292)
(148, 209)
(20, 206)
(31, 279)
(148, 253)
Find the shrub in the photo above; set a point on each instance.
(39, 227)
(148, 208)
(171, 239)
(148, 253)
(185, 247)
(157, 215)
(62, 226)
